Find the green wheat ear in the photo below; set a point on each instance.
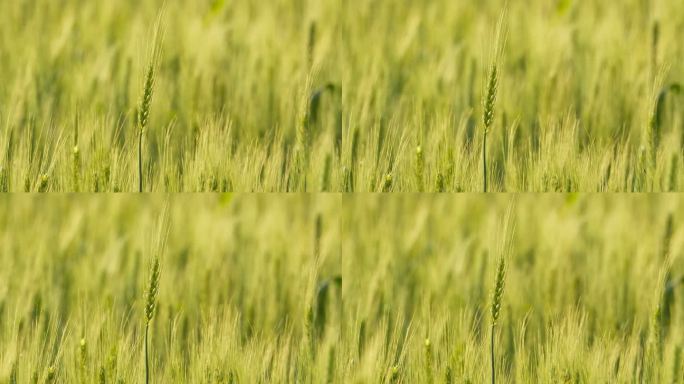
(497, 294)
(152, 290)
(489, 98)
(143, 114)
(499, 281)
(153, 282)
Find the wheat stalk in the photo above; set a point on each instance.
(499, 283)
(148, 90)
(489, 99)
(153, 282)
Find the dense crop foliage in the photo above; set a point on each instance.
(241, 290)
(246, 95)
(587, 95)
(590, 291)
(438, 97)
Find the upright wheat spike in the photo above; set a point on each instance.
(497, 293)
(153, 284)
(150, 304)
(146, 99)
(496, 307)
(489, 99)
(143, 114)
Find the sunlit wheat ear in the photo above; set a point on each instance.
(152, 289)
(489, 96)
(499, 282)
(497, 293)
(150, 305)
(153, 282)
(148, 90)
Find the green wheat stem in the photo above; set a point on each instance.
(150, 306)
(147, 358)
(140, 162)
(489, 98)
(148, 91)
(496, 308)
(491, 354)
(484, 161)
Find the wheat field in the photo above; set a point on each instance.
(376, 95)
(341, 289)
(592, 290)
(249, 289)
(341, 191)
(246, 96)
(587, 96)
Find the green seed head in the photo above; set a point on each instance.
(153, 287)
(490, 99)
(498, 290)
(146, 101)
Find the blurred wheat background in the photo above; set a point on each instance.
(249, 289)
(235, 82)
(588, 95)
(592, 291)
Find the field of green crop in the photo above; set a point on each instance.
(586, 95)
(377, 95)
(249, 289)
(246, 95)
(591, 291)
(341, 147)
(341, 289)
